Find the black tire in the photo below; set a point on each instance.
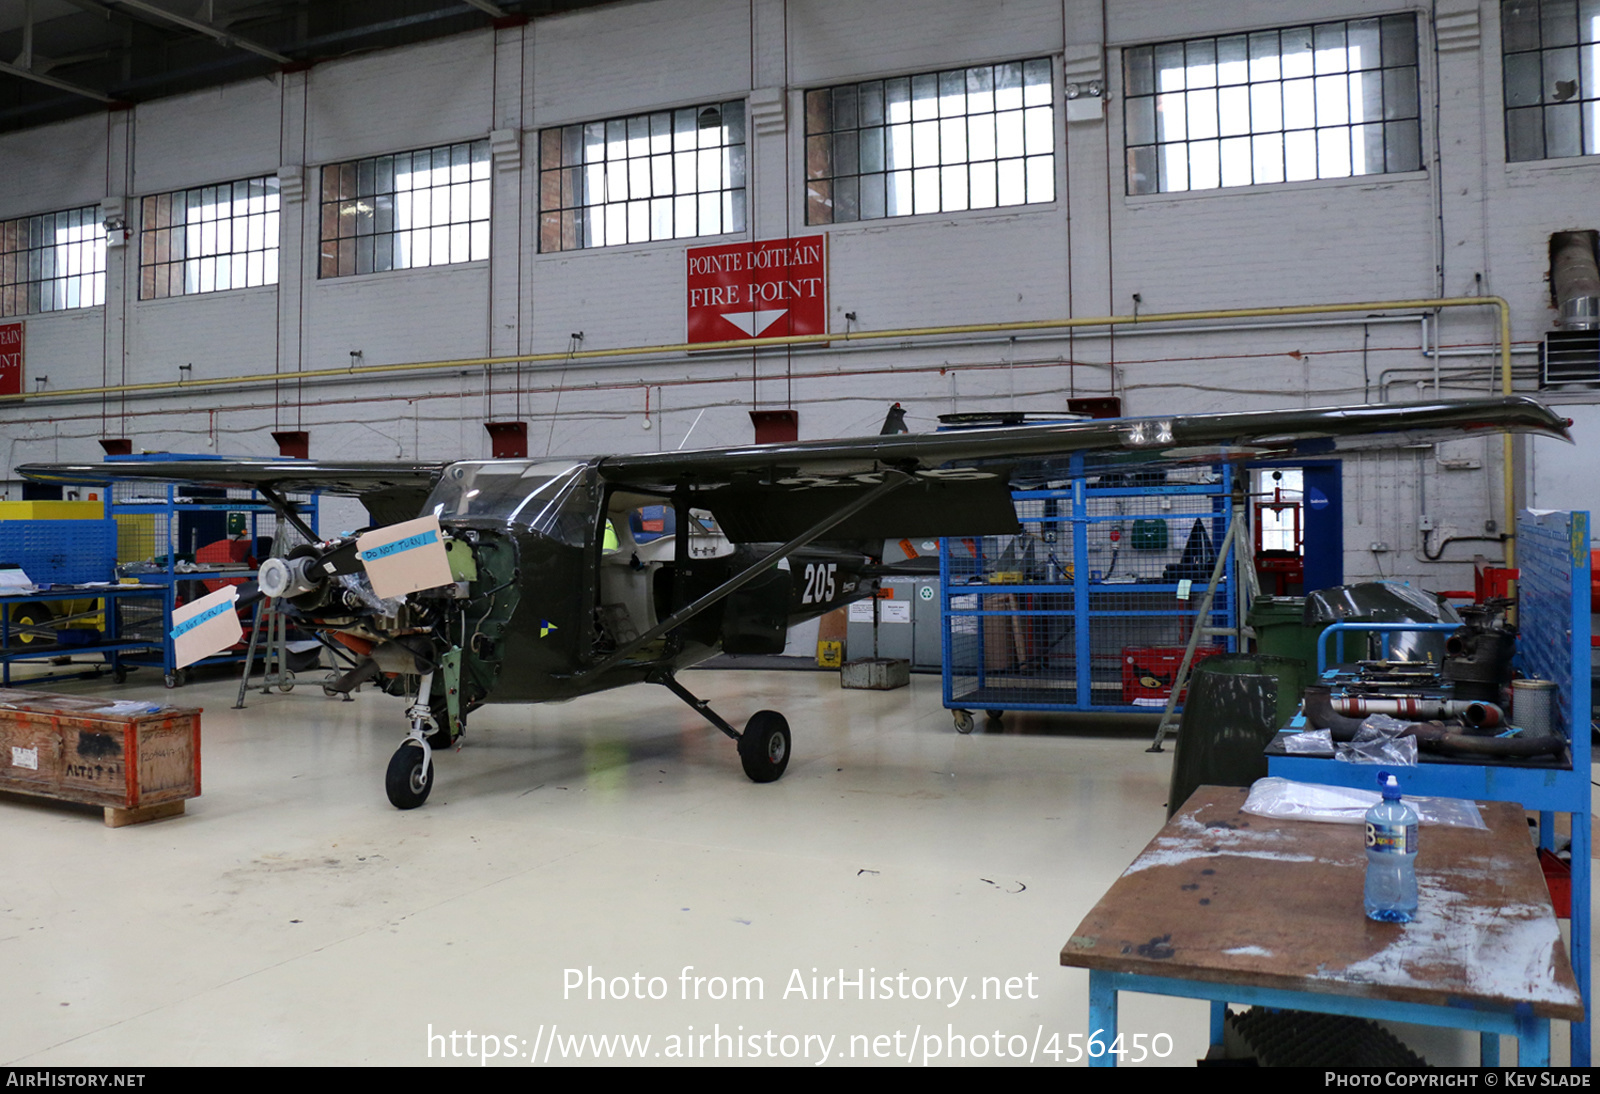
(405, 783)
(29, 615)
(327, 685)
(963, 720)
(119, 674)
(764, 746)
(995, 715)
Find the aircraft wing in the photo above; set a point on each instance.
(962, 477)
(391, 491)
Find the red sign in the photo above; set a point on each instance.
(764, 289)
(10, 358)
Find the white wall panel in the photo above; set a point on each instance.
(427, 314)
(423, 95)
(628, 296)
(65, 346)
(963, 268)
(630, 58)
(1132, 21)
(1332, 241)
(841, 40)
(216, 135)
(59, 166)
(220, 334)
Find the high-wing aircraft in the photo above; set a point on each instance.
(531, 580)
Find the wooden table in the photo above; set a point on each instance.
(1236, 908)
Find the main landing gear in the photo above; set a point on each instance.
(764, 744)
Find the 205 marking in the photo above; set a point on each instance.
(821, 584)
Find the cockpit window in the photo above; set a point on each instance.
(546, 497)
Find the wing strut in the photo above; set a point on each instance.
(281, 506)
(893, 480)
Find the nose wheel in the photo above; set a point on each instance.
(410, 776)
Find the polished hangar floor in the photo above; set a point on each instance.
(292, 916)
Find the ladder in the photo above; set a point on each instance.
(1236, 540)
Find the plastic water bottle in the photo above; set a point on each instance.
(1391, 893)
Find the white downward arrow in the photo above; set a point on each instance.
(754, 323)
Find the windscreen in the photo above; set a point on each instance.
(546, 497)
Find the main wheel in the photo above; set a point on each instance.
(764, 746)
(405, 782)
(963, 720)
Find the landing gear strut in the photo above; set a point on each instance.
(764, 745)
(410, 774)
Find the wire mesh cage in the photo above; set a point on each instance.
(1091, 604)
(175, 529)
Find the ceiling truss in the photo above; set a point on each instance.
(62, 58)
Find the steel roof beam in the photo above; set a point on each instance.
(63, 85)
(221, 37)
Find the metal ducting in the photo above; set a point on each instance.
(1575, 280)
(1571, 352)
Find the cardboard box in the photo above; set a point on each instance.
(1005, 637)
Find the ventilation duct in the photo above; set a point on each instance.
(1575, 280)
(1571, 352)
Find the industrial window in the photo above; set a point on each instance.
(1312, 102)
(938, 142)
(209, 239)
(424, 208)
(671, 174)
(1552, 78)
(52, 262)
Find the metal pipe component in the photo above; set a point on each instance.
(1483, 715)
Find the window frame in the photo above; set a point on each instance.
(825, 121)
(565, 217)
(166, 247)
(1259, 83)
(1533, 60)
(345, 219)
(23, 262)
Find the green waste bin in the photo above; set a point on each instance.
(1236, 702)
(1281, 631)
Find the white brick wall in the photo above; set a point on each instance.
(407, 98)
(237, 122)
(1469, 224)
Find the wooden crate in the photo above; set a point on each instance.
(138, 765)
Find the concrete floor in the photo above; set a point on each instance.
(294, 917)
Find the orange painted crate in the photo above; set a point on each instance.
(138, 766)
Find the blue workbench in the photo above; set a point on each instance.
(1553, 644)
